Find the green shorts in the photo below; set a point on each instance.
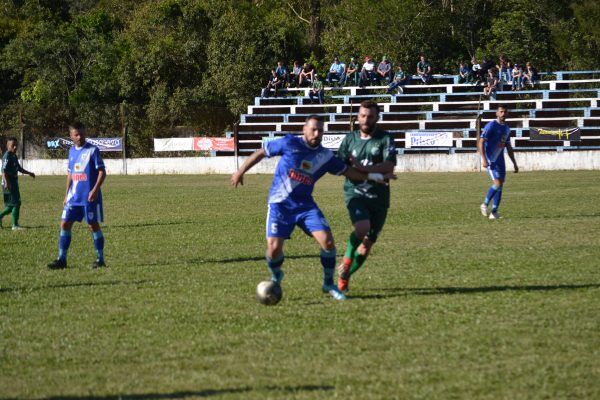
(12, 198)
(362, 209)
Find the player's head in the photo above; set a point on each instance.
(368, 115)
(12, 144)
(501, 113)
(77, 133)
(313, 130)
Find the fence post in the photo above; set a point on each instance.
(236, 142)
(124, 135)
(21, 132)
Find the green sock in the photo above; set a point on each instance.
(353, 243)
(357, 262)
(6, 211)
(15, 215)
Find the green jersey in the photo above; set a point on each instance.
(10, 167)
(378, 148)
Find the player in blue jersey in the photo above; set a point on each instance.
(303, 162)
(494, 139)
(86, 173)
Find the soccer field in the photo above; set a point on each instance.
(449, 305)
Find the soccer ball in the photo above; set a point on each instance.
(268, 293)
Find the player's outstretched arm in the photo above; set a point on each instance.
(355, 175)
(24, 171)
(237, 177)
(385, 167)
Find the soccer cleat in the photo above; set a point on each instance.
(58, 264)
(494, 215)
(18, 228)
(98, 264)
(277, 278)
(484, 209)
(343, 277)
(334, 292)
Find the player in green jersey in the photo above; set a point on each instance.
(10, 182)
(368, 149)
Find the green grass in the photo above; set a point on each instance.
(449, 305)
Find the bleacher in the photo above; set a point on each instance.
(564, 99)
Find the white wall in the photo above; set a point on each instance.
(461, 162)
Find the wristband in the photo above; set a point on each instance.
(375, 176)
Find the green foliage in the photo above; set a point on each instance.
(175, 59)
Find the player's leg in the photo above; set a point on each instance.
(497, 198)
(280, 226)
(94, 215)
(274, 257)
(313, 222)
(70, 214)
(492, 190)
(16, 212)
(368, 231)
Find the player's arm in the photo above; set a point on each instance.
(5, 180)
(93, 195)
(484, 162)
(511, 155)
(69, 183)
(24, 171)
(238, 177)
(356, 175)
(385, 167)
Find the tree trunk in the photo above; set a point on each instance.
(314, 28)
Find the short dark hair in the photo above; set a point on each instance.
(77, 126)
(502, 106)
(12, 139)
(370, 104)
(315, 117)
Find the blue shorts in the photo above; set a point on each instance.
(497, 171)
(282, 220)
(93, 213)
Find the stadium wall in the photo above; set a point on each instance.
(458, 162)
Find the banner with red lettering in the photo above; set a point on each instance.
(213, 143)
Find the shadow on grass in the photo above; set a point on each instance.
(149, 224)
(256, 258)
(400, 292)
(188, 394)
(70, 285)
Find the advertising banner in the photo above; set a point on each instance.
(214, 144)
(428, 139)
(332, 141)
(104, 144)
(573, 134)
(174, 144)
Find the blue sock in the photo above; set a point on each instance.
(328, 263)
(274, 265)
(497, 199)
(99, 244)
(64, 241)
(490, 194)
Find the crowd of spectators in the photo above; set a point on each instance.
(487, 73)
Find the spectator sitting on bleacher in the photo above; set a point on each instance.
(424, 69)
(384, 69)
(295, 75)
(352, 72)
(281, 71)
(475, 77)
(336, 71)
(307, 75)
(317, 91)
(509, 68)
(530, 75)
(492, 83)
(502, 67)
(367, 73)
(486, 65)
(400, 79)
(464, 73)
(274, 83)
(517, 77)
